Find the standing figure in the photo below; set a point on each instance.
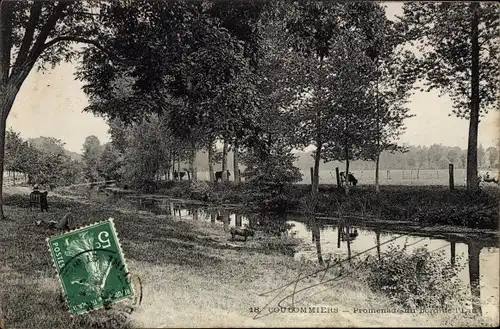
(342, 178)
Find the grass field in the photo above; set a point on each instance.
(191, 274)
(398, 177)
(387, 177)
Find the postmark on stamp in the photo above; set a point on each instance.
(91, 268)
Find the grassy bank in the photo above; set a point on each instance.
(424, 204)
(192, 276)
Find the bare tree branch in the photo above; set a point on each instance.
(94, 43)
(52, 42)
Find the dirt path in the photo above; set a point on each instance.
(173, 297)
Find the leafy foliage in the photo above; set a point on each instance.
(110, 163)
(417, 279)
(268, 178)
(92, 151)
(446, 59)
(45, 162)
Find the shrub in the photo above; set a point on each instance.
(417, 279)
(269, 176)
(199, 190)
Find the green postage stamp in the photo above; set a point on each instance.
(91, 267)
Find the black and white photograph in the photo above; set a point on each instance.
(249, 164)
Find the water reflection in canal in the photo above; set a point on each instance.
(320, 241)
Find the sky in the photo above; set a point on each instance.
(51, 104)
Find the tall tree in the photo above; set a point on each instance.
(110, 163)
(349, 106)
(312, 27)
(92, 151)
(459, 50)
(38, 33)
(391, 84)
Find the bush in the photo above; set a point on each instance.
(200, 190)
(418, 279)
(269, 177)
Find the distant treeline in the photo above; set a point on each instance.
(42, 160)
(435, 156)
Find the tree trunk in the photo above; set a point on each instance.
(211, 161)
(178, 167)
(194, 166)
(3, 120)
(224, 162)
(319, 143)
(472, 179)
(346, 185)
(377, 163)
(377, 236)
(317, 238)
(317, 159)
(474, 276)
(236, 161)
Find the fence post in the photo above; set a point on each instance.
(312, 175)
(452, 183)
(452, 252)
(337, 175)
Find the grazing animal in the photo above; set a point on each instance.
(244, 232)
(218, 175)
(350, 179)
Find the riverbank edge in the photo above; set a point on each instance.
(396, 226)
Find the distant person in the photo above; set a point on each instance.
(182, 174)
(175, 174)
(342, 178)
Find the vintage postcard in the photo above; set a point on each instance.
(239, 163)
